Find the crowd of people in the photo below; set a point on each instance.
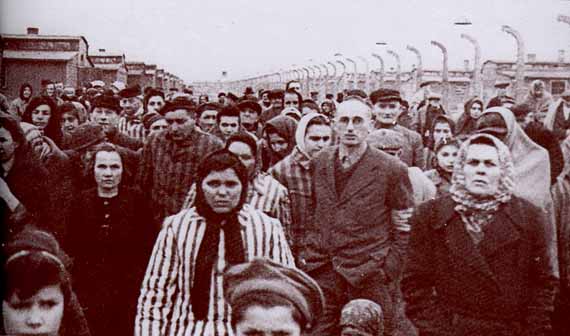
(129, 211)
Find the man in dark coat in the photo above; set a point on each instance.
(355, 247)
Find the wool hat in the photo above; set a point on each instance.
(385, 95)
(150, 118)
(106, 101)
(232, 96)
(131, 91)
(86, 135)
(249, 104)
(262, 276)
(363, 316)
(248, 91)
(386, 139)
(35, 240)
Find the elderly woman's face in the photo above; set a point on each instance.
(40, 314)
(222, 190)
(482, 170)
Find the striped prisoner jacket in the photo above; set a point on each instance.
(165, 304)
(264, 193)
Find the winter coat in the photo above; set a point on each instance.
(110, 241)
(503, 286)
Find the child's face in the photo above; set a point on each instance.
(446, 157)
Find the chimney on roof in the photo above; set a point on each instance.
(531, 58)
(466, 66)
(33, 30)
(102, 50)
(561, 56)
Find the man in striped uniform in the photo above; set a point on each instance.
(295, 172)
(131, 112)
(182, 292)
(170, 158)
(264, 192)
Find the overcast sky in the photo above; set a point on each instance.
(197, 40)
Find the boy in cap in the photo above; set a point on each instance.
(270, 299)
(428, 113)
(249, 112)
(387, 109)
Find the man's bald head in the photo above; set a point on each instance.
(353, 121)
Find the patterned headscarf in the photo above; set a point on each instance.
(477, 212)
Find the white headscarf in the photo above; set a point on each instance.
(302, 130)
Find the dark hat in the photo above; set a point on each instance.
(357, 92)
(232, 96)
(502, 84)
(178, 104)
(149, 119)
(107, 101)
(276, 94)
(428, 83)
(131, 91)
(385, 95)
(262, 276)
(221, 94)
(249, 104)
(248, 90)
(208, 106)
(329, 96)
(86, 135)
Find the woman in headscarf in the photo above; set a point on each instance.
(182, 293)
(264, 192)
(279, 140)
(481, 260)
(37, 297)
(18, 105)
(531, 162)
(537, 98)
(472, 110)
(328, 108)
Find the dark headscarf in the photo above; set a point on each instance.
(22, 88)
(466, 124)
(207, 254)
(285, 127)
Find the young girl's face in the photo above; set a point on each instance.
(446, 157)
(40, 314)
